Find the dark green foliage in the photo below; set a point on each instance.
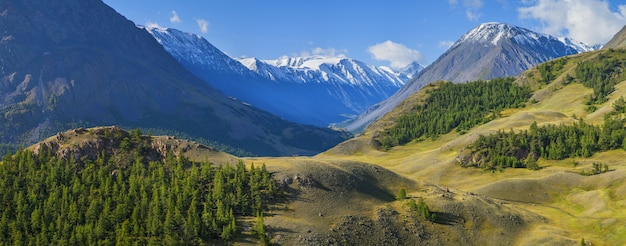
(598, 168)
(401, 194)
(549, 70)
(460, 106)
(259, 229)
(125, 198)
(420, 208)
(552, 142)
(602, 74)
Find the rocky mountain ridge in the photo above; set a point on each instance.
(316, 90)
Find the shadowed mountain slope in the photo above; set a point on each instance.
(317, 90)
(80, 63)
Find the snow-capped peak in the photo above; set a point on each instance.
(328, 69)
(577, 45)
(492, 33)
(310, 62)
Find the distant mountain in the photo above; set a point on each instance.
(79, 63)
(314, 90)
(618, 41)
(330, 70)
(488, 51)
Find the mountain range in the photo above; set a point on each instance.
(491, 50)
(80, 63)
(533, 159)
(317, 90)
(427, 191)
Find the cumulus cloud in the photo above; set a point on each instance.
(175, 18)
(472, 8)
(589, 21)
(472, 15)
(203, 25)
(397, 54)
(445, 44)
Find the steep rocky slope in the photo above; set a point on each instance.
(79, 63)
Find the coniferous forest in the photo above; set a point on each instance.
(552, 142)
(124, 199)
(460, 106)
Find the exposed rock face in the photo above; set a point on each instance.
(80, 143)
(87, 144)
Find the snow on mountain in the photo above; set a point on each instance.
(490, 50)
(323, 69)
(315, 90)
(494, 33)
(195, 50)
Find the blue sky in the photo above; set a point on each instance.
(391, 33)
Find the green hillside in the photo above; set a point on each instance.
(531, 160)
(131, 193)
(569, 133)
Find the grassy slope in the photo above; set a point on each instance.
(346, 195)
(573, 206)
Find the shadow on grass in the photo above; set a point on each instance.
(447, 219)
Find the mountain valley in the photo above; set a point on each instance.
(510, 138)
(318, 90)
(57, 74)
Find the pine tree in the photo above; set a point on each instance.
(401, 194)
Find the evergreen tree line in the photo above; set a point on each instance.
(548, 71)
(420, 208)
(45, 200)
(551, 142)
(460, 106)
(602, 74)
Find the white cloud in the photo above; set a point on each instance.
(589, 21)
(397, 54)
(445, 44)
(153, 25)
(472, 15)
(472, 8)
(203, 25)
(175, 18)
(329, 52)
